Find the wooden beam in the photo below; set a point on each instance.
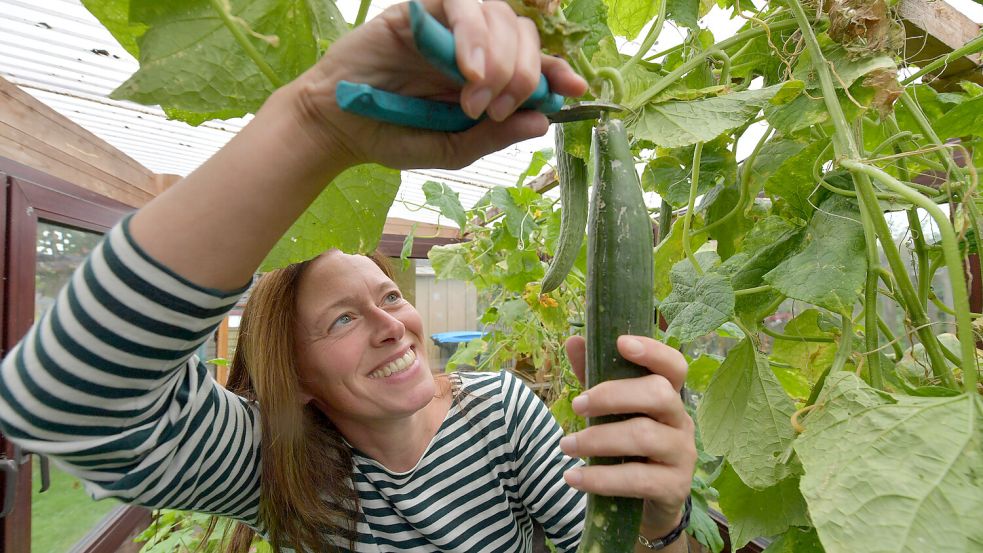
(36, 135)
(542, 183)
(933, 29)
(402, 227)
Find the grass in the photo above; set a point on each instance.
(64, 514)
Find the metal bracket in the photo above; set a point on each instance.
(10, 469)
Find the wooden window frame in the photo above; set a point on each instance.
(30, 196)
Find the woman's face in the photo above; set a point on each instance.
(359, 343)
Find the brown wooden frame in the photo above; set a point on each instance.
(28, 196)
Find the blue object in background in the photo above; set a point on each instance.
(448, 342)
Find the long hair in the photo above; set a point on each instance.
(306, 491)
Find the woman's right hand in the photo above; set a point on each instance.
(497, 52)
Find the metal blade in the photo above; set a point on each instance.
(583, 111)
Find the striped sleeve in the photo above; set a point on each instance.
(540, 464)
(106, 383)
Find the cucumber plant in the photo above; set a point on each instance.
(836, 255)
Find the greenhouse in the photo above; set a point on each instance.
(778, 197)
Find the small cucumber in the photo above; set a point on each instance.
(572, 174)
(619, 301)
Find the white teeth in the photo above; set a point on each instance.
(396, 366)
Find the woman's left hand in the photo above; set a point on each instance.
(662, 433)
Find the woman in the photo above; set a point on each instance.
(345, 412)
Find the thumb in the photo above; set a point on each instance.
(576, 348)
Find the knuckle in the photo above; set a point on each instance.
(662, 391)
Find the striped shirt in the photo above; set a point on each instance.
(107, 384)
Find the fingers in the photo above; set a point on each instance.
(651, 395)
(576, 348)
(658, 357)
(635, 437)
(665, 484)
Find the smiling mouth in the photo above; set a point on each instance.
(396, 366)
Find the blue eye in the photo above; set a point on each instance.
(342, 320)
(393, 297)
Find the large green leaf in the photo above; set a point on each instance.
(450, 262)
(628, 17)
(677, 124)
(669, 251)
(831, 268)
(898, 474)
(745, 416)
(192, 63)
(697, 304)
(349, 214)
(115, 16)
(755, 513)
(797, 540)
(963, 120)
(593, 15)
(793, 182)
(812, 358)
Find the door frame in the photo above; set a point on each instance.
(30, 196)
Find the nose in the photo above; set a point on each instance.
(388, 328)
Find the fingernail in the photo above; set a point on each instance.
(502, 107)
(579, 404)
(568, 444)
(573, 477)
(632, 347)
(477, 62)
(478, 102)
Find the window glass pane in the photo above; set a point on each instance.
(64, 514)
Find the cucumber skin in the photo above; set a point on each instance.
(572, 174)
(619, 301)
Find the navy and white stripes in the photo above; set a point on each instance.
(108, 386)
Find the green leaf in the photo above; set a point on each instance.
(407, 250)
(686, 12)
(190, 62)
(963, 120)
(697, 304)
(518, 221)
(793, 181)
(755, 513)
(663, 173)
(704, 528)
(831, 268)
(670, 251)
(450, 262)
(797, 540)
(701, 370)
(893, 473)
(593, 15)
(523, 266)
(115, 17)
(812, 358)
(349, 214)
(847, 67)
(536, 164)
(745, 416)
(676, 124)
(447, 200)
(628, 17)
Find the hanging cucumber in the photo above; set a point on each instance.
(572, 174)
(619, 301)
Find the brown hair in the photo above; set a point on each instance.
(306, 494)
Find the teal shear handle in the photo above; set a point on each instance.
(436, 43)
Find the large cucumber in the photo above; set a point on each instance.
(619, 301)
(572, 174)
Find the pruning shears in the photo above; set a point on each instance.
(436, 43)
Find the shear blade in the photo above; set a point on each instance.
(583, 111)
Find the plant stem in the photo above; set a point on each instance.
(953, 261)
(972, 47)
(926, 127)
(363, 12)
(650, 38)
(846, 344)
(234, 27)
(891, 338)
(665, 220)
(845, 147)
(755, 290)
(691, 206)
(792, 338)
(614, 78)
(745, 185)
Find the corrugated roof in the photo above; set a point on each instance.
(58, 52)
